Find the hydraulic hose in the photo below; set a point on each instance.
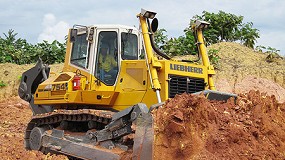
(164, 55)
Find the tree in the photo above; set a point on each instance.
(50, 52)
(10, 37)
(227, 27)
(12, 49)
(182, 45)
(160, 38)
(19, 51)
(248, 35)
(223, 27)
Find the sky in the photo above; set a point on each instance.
(38, 20)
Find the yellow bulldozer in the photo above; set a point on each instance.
(99, 107)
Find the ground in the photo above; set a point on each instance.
(15, 114)
(188, 127)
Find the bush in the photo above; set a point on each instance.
(214, 57)
(19, 51)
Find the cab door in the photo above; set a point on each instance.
(105, 69)
(107, 61)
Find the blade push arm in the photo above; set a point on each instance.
(152, 62)
(198, 27)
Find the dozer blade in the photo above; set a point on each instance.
(143, 141)
(217, 95)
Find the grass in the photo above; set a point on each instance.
(2, 84)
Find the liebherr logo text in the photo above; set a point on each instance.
(186, 68)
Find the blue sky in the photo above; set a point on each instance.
(36, 20)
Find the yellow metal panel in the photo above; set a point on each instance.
(131, 84)
(56, 93)
(51, 101)
(41, 95)
(127, 99)
(150, 97)
(132, 76)
(73, 97)
(99, 97)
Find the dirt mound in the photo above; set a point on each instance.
(192, 127)
(238, 62)
(15, 115)
(253, 83)
(264, 85)
(242, 69)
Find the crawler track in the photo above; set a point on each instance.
(83, 115)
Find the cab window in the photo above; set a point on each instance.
(129, 44)
(107, 57)
(79, 53)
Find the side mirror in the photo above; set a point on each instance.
(154, 25)
(73, 34)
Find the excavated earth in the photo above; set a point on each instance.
(192, 127)
(188, 127)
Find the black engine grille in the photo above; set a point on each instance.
(181, 84)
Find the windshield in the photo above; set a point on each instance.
(129, 43)
(79, 54)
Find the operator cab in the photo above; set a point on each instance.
(99, 49)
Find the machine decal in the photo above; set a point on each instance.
(56, 87)
(186, 68)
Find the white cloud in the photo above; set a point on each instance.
(53, 30)
(49, 19)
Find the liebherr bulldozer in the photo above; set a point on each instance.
(89, 111)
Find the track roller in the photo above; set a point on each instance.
(36, 135)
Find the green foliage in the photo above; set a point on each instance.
(19, 51)
(51, 52)
(214, 57)
(227, 27)
(248, 35)
(273, 53)
(272, 50)
(223, 27)
(182, 45)
(2, 84)
(260, 48)
(160, 38)
(268, 49)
